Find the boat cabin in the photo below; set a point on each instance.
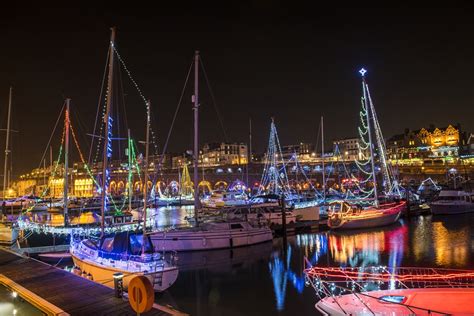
(122, 245)
(119, 219)
(453, 195)
(340, 207)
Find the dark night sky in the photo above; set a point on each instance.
(263, 59)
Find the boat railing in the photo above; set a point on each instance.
(360, 281)
(146, 258)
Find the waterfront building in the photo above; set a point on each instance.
(347, 148)
(304, 151)
(215, 154)
(440, 145)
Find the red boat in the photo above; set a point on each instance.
(342, 215)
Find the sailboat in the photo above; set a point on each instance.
(8, 234)
(274, 182)
(214, 234)
(129, 253)
(345, 215)
(185, 194)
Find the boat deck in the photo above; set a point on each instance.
(71, 293)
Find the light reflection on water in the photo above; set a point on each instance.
(273, 281)
(268, 279)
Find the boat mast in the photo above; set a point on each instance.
(196, 135)
(249, 151)
(7, 143)
(322, 158)
(66, 163)
(129, 172)
(180, 190)
(107, 127)
(367, 111)
(145, 190)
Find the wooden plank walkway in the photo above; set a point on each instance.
(69, 292)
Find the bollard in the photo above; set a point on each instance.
(118, 284)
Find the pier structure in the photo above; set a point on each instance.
(55, 291)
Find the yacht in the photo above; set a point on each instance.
(453, 202)
(262, 214)
(122, 252)
(379, 290)
(211, 235)
(225, 199)
(308, 210)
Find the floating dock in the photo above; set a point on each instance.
(58, 292)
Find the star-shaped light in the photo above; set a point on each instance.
(362, 72)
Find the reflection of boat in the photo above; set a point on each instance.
(392, 291)
(211, 235)
(224, 259)
(365, 246)
(342, 215)
(453, 202)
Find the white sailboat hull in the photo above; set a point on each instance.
(273, 218)
(189, 240)
(447, 208)
(309, 213)
(104, 275)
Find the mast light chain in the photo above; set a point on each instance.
(390, 182)
(109, 196)
(53, 174)
(139, 92)
(362, 160)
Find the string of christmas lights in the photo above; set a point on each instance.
(122, 62)
(274, 178)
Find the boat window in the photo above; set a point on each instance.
(449, 198)
(136, 244)
(236, 226)
(108, 244)
(398, 299)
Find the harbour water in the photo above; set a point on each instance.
(267, 279)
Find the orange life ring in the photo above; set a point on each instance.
(141, 294)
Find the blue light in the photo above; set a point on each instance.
(362, 72)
